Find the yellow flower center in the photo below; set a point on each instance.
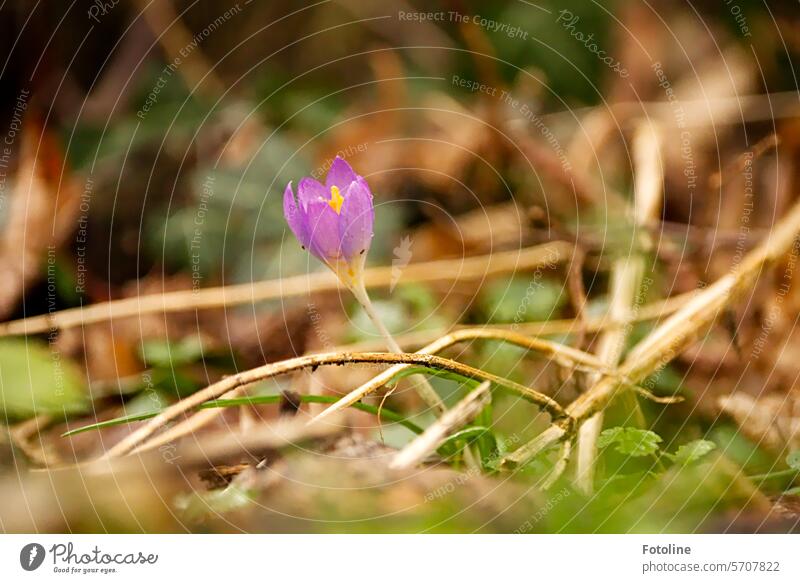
(336, 200)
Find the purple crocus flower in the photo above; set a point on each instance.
(334, 222)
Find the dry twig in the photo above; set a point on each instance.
(229, 386)
(561, 354)
(665, 342)
(626, 280)
(653, 311)
(464, 269)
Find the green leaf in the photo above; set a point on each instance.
(478, 435)
(35, 379)
(793, 459)
(165, 354)
(609, 436)
(468, 435)
(174, 382)
(630, 441)
(693, 451)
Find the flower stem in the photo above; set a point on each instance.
(423, 387)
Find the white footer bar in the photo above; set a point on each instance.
(406, 559)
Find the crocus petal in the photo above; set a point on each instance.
(309, 189)
(323, 230)
(340, 175)
(356, 220)
(335, 221)
(295, 216)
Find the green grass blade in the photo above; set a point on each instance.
(385, 414)
(111, 423)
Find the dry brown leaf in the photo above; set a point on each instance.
(770, 420)
(41, 213)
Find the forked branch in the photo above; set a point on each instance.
(664, 343)
(230, 385)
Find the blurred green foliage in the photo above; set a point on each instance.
(36, 380)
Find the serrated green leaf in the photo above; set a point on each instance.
(35, 380)
(609, 436)
(630, 441)
(693, 451)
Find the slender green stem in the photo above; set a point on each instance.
(424, 388)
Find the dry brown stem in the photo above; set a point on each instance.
(465, 269)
